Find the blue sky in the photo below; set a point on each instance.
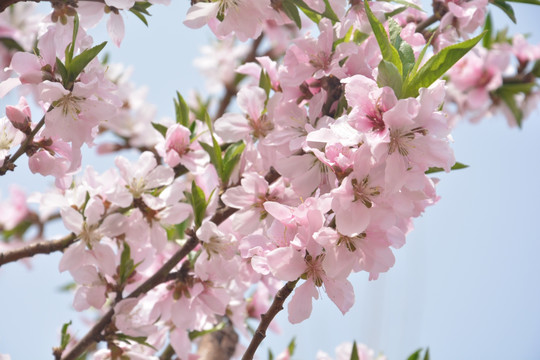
(465, 284)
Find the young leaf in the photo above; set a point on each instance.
(292, 346)
(456, 166)
(264, 82)
(329, 12)
(426, 355)
(62, 71)
(437, 66)
(195, 333)
(80, 61)
(65, 337)
(531, 2)
(214, 151)
(181, 110)
(161, 128)
(70, 50)
(389, 76)
(127, 266)
(290, 9)
(406, 54)
(509, 99)
(415, 355)
(198, 202)
(506, 8)
(138, 339)
(388, 51)
(232, 156)
(406, 3)
(354, 352)
(11, 44)
(488, 28)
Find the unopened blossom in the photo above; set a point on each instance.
(9, 138)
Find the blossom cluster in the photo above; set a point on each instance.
(317, 175)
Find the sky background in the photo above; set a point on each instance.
(465, 284)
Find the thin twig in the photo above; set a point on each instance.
(9, 164)
(42, 247)
(429, 21)
(168, 353)
(231, 89)
(266, 319)
(94, 334)
(4, 4)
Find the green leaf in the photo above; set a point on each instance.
(130, 339)
(506, 8)
(426, 355)
(290, 9)
(70, 50)
(509, 99)
(142, 7)
(65, 337)
(314, 15)
(456, 166)
(388, 51)
(292, 346)
(181, 110)
(214, 151)
(406, 54)
(437, 66)
(359, 37)
(195, 333)
(264, 82)
(536, 68)
(394, 12)
(161, 128)
(418, 61)
(198, 202)
(389, 76)
(62, 71)
(11, 44)
(531, 2)
(139, 15)
(415, 355)
(329, 12)
(488, 28)
(270, 355)
(517, 87)
(80, 61)
(68, 287)
(233, 154)
(394, 33)
(354, 352)
(406, 3)
(127, 266)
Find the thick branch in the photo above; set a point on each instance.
(266, 319)
(42, 247)
(218, 345)
(95, 333)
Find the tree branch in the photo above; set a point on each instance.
(42, 247)
(429, 21)
(4, 4)
(218, 345)
(266, 319)
(9, 162)
(231, 89)
(94, 334)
